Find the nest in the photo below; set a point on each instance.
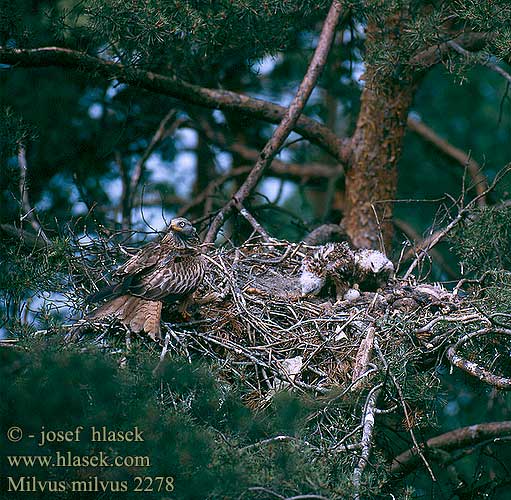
(375, 355)
(250, 316)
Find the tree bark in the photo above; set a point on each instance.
(371, 179)
(225, 100)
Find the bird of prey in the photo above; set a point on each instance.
(334, 262)
(372, 269)
(167, 270)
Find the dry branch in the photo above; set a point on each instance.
(209, 98)
(289, 120)
(409, 460)
(367, 438)
(29, 211)
(474, 369)
(363, 357)
(258, 228)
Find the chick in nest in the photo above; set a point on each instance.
(331, 262)
(373, 269)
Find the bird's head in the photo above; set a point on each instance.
(183, 228)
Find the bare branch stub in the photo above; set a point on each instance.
(289, 119)
(457, 439)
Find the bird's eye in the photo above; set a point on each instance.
(182, 224)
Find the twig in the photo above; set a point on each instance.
(289, 120)
(276, 439)
(464, 281)
(430, 242)
(25, 202)
(465, 160)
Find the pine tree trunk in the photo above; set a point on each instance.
(371, 179)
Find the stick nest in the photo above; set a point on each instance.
(251, 317)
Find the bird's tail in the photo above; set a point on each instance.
(136, 313)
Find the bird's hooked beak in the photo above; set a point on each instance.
(175, 227)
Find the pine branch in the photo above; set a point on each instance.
(209, 98)
(405, 408)
(479, 59)
(409, 460)
(437, 53)
(289, 119)
(436, 237)
(474, 369)
(27, 239)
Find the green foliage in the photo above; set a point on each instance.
(194, 424)
(482, 242)
(30, 274)
(13, 132)
(192, 34)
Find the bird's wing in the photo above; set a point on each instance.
(146, 257)
(174, 277)
(133, 270)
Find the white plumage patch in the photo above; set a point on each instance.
(311, 283)
(333, 261)
(352, 295)
(373, 261)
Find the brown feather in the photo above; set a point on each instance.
(108, 308)
(152, 322)
(169, 269)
